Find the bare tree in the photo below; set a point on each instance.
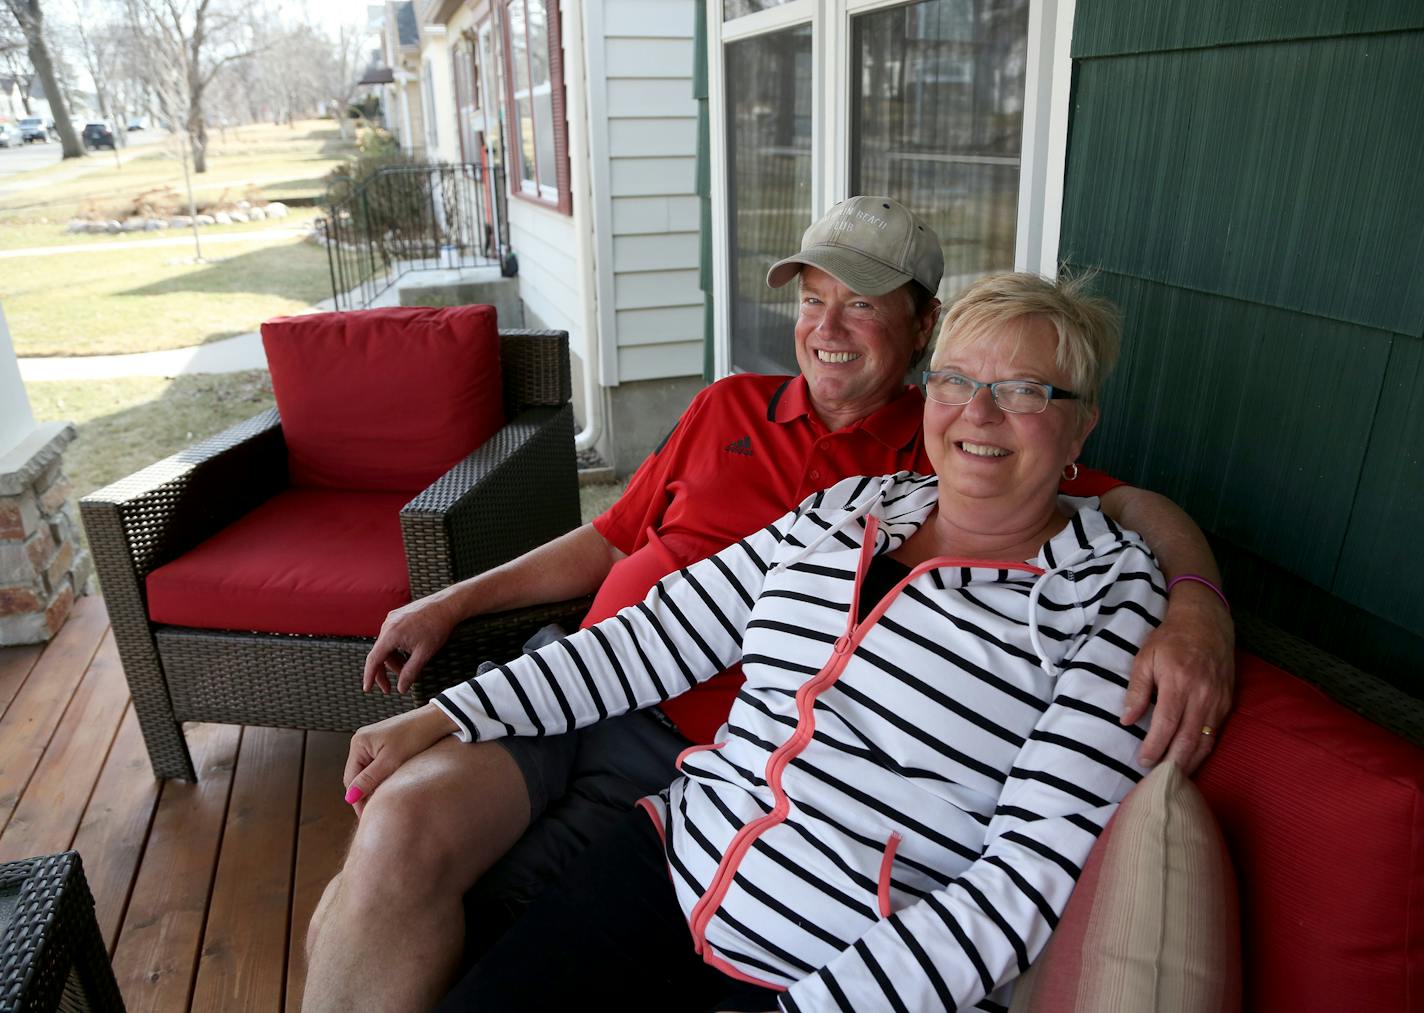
(13, 60)
(30, 19)
(188, 42)
(97, 51)
(344, 72)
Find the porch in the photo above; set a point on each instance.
(202, 891)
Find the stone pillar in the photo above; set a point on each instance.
(43, 562)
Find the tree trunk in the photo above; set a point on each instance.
(197, 129)
(27, 13)
(197, 133)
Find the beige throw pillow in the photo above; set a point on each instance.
(1153, 924)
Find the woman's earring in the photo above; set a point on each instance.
(1070, 473)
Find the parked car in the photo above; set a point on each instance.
(135, 124)
(32, 128)
(8, 135)
(98, 135)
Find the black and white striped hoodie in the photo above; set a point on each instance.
(896, 810)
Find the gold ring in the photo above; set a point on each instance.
(1208, 730)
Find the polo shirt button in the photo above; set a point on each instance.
(815, 474)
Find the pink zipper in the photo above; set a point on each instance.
(887, 863)
(845, 645)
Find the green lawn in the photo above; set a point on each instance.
(115, 297)
(129, 423)
(137, 300)
(280, 162)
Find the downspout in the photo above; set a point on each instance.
(581, 154)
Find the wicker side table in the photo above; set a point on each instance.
(52, 956)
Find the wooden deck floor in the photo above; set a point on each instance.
(203, 891)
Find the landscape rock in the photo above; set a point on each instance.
(155, 225)
(133, 225)
(113, 227)
(222, 218)
(206, 220)
(237, 216)
(276, 210)
(179, 222)
(77, 225)
(255, 214)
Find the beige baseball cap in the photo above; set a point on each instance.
(872, 245)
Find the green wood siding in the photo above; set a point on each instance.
(1113, 27)
(1280, 174)
(1379, 568)
(1248, 180)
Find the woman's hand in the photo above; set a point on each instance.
(1190, 663)
(378, 750)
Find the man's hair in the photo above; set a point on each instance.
(920, 297)
(1089, 327)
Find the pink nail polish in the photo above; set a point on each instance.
(354, 794)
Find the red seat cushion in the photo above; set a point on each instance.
(306, 561)
(385, 399)
(1322, 812)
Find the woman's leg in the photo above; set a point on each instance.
(610, 931)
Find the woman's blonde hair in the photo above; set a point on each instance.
(1089, 327)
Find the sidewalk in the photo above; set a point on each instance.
(226, 356)
(180, 237)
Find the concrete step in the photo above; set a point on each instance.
(464, 288)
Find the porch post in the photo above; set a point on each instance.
(43, 562)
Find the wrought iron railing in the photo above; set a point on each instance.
(405, 218)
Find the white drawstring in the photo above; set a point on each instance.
(849, 517)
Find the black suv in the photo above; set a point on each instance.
(98, 135)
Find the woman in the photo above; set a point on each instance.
(927, 743)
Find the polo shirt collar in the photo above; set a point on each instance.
(897, 424)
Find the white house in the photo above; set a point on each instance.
(601, 169)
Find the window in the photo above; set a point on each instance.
(467, 99)
(768, 187)
(538, 140)
(936, 120)
(951, 106)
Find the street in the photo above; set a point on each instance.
(24, 157)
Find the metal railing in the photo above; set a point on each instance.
(406, 218)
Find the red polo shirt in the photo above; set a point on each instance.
(748, 449)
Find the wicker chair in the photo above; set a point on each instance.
(51, 953)
(515, 492)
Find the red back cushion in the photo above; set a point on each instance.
(1324, 814)
(386, 399)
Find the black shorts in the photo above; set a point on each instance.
(610, 933)
(580, 784)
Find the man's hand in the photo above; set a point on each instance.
(1189, 662)
(410, 636)
(377, 751)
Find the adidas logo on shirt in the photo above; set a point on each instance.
(742, 446)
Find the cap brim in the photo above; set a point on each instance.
(851, 268)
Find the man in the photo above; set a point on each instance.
(389, 931)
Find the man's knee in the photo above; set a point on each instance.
(432, 822)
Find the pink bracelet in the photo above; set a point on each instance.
(1200, 580)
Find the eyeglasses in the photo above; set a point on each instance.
(1022, 397)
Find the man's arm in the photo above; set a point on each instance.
(1188, 661)
(571, 565)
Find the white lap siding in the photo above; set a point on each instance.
(897, 809)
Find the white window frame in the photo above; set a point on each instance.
(1045, 131)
